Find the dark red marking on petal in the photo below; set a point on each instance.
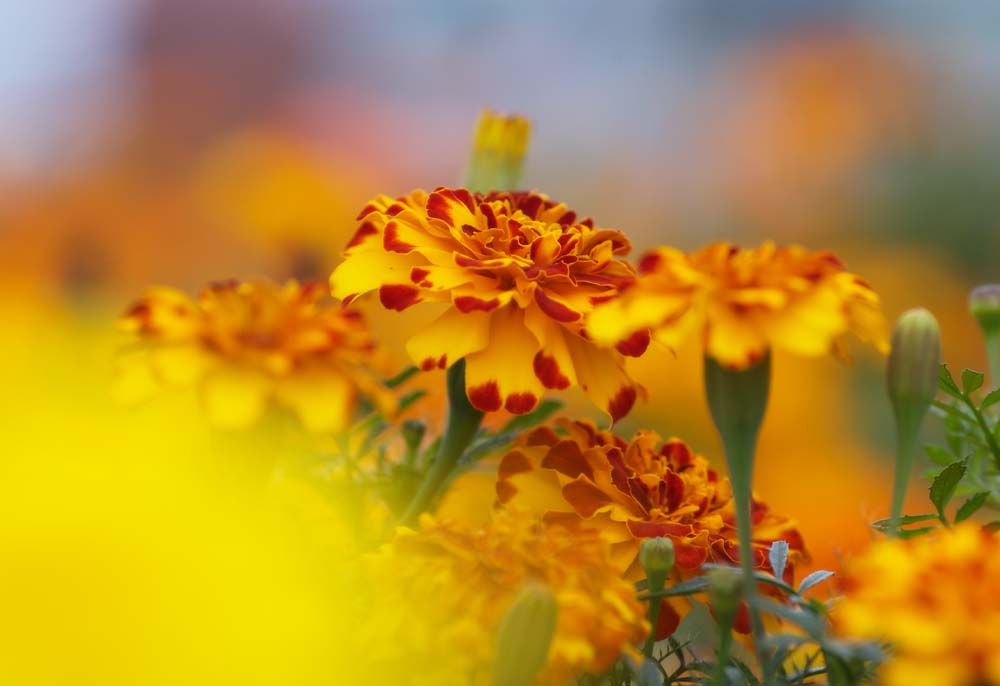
(667, 622)
(619, 473)
(398, 296)
(555, 310)
(366, 210)
(543, 435)
(395, 208)
(566, 458)
(391, 240)
(418, 275)
(621, 403)
(469, 229)
(548, 372)
(364, 231)
(514, 462)
(468, 303)
(675, 490)
(520, 403)
(635, 345)
(649, 262)
(485, 397)
(505, 491)
(637, 489)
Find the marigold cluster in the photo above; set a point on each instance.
(744, 303)
(246, 345)
(519, 274)
(934, 600)
(442, 590)
(631, 490)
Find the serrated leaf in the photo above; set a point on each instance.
(970, 506)
(883, 524)
(913, 533)
(946, 383)
(778, 556)
(939, 455)
(972, 380)
(817, 577)
(944, 485)
(992, 398)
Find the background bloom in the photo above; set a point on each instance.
(519, 273)
(442, 590)
(934, 600)
(631, 490)
(745, 302)
(246, 344)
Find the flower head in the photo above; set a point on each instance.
(745, 302)
(934, 600)
(634, 490)
(444, 589)
(246, 344)
(519, 274)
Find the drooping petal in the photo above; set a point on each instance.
(501, 375)
(449, 338)
(602, 377)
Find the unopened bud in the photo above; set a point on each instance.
(524, 637)
(724, 592)
(656, 555)
(498, 150)
(912, 373)
(984, 303)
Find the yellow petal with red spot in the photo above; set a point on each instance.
(449, 338)
(602, 377)
(501, 375)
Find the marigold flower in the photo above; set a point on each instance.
(246, 344)
(745, 302)
(443, 589)
(934, 600)
(638, 489)
(519, 273)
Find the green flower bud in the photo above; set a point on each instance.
(984, 303)
(656, 555)
(915, 359)
(724, 592)
(524, 637)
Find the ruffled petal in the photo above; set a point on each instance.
(449, 338)
(501, 375)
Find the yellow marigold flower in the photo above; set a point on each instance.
(934, 600)
(745, 302)
(247, 344)
(442, 590)
(632, 490)
(519, 273)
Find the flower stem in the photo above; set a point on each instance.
(737, 400)
(992, 341)
(907, 430)
(463, 422)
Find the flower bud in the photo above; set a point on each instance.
(524, 637)
(498, 152)
(984, 303)
(915, 359)
(656, 555)
(724, 591)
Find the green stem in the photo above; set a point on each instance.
(991, 441)
(907, 431)
(992, 339)
(725, 647)
(463, 422)
(654, 619)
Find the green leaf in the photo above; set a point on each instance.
(817, 577)
(970, 506)
(972, 380)
(778, 555)
(946, 383)
(944, 486)
(913, 533)
(883, 524)
(939, 455)
(689, 587)
(402, 377)
(992, 398)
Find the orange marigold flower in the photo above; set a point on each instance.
(745, 302)
(934, 600)
(245, 344)
(520, 274)
(443, 589)
(638, 489)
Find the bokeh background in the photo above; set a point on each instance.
(181, 141)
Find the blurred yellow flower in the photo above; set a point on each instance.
(520, 274)
(442, 590)
(632, 490)
(248, 344)
(745, 302)
(934, 600)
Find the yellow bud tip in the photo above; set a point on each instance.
(502, 135)
(984, 303)
(656, 555)
(915, 358)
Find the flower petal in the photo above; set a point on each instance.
(234, 398)
(501, 375)
(449, 338)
